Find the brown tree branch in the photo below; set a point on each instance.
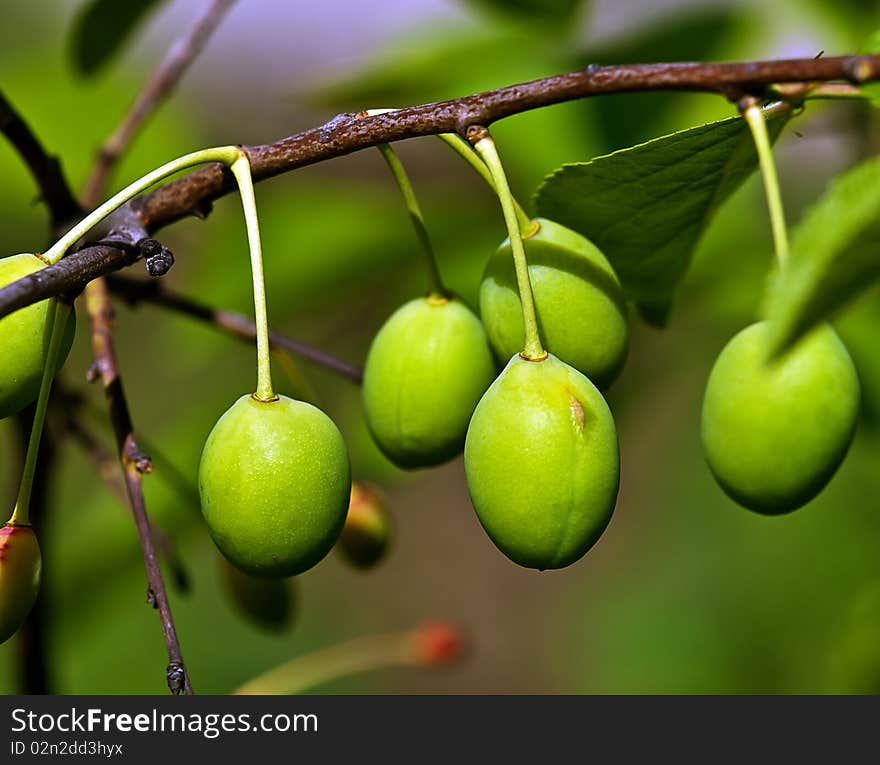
(347, 133)
(134, 464)
(45, 169)
(158, 88)
(107, 465)
(135, 291)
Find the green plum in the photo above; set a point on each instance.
(20, 566)
(775, 432)
(542, 463)
(579, 302)
(266, 603)
(367, 531)
(24, 340)
(274, 481)
(425, 372)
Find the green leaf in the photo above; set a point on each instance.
(533, 10)
(102, 28)
(835, 254)
(646, 206)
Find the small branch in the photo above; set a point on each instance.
(194, 193)
(158, 88)
(134, 464)
(135, 291)
(45, 169)
(107, 466)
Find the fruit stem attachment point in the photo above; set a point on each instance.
(241, 169)
(57, 314)
(225, 154)
(435, 283)
(463, 149)
(485, 146)
(754, 116)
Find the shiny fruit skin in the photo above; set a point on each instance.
(425, 372)
(20, 566)
(542, 463)
(774, 434)
(24, 340)
(367, 531)
(266, 603)
(274, 481)
(579, 302)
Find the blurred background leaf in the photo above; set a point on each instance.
(835, 255)
(102, 29)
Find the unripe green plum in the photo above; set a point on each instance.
(274, 481)
(20, 566)
(542, 463)
(266, 603)
(24, 340)
(425, 372)
(775, 432)
(367, 531)
(578, 301)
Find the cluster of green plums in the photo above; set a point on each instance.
(540, 445)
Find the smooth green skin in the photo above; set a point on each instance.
(274, 482)
(24, 340)
(578, 300)
(266, 603)
(20, 566)
(775, 434)
(542, 463)
(425, 372)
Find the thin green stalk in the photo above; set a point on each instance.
(435, 283)
(464, 150)
(532, 349)
(225, 154)
(57, 315)
(754, 116)
(354, 656)
(241, 169)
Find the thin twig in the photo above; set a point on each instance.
(134, 464)
(45, 169)
(135, 291)
(107, 465)
(161, 84)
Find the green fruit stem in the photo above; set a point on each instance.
(241, 169)
(435, 283)
(464, 150)
(754, 116)
(225, 154)
(351, 657)
(532, 348)
(57, 315)
(237, 161)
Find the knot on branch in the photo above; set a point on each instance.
(157, 258)
(175, 674)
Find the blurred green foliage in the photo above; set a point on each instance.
(685, 592)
